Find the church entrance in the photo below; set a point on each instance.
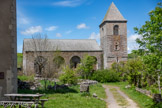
(75, 60)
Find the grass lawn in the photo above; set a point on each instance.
(142, 100)
(72, 98)
(19, 59)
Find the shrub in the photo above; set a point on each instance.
(69, 76)
(26, 78)
(86, 67)
(105, 76)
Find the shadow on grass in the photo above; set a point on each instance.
(42, 91)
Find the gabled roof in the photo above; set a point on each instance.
(113, 14)
(65, 45)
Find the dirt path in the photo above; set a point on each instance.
(117, 99)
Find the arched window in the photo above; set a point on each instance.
(116, 30)
(74, 61)
(58, 61)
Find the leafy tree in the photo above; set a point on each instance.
(151, 42)
(86, 67)
(104, 76)
(134, 71)
(69, 76)
(120, 68)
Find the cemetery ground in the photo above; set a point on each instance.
(72, 98)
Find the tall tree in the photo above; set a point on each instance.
(40, 44)
(151, 42)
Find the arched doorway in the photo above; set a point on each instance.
(95, 63)
(58, 61)
(74, 61)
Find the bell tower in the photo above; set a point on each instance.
(113, 37)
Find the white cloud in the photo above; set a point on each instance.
(82, 26)
(95, 36)
(68, 3)
(68, 32)
(32, 30)
(52, 28)
(132, 45)
(58, 35)
(22, 19)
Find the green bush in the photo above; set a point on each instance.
(69, 76)
(105, 76)
(26, 78)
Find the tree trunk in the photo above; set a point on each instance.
(45, 83)
(159, 83)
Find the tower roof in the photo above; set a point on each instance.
(113, 14)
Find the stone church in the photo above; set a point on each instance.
(113, 48)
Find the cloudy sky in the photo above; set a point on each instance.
(77, 19)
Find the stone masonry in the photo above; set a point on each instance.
(114, 46)
(8, 50)
(28, 59)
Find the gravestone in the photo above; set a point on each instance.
(8, 48)
(84, 88)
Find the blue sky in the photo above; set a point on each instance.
(77, 19)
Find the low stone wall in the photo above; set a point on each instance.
(88, 82)
(146, 92)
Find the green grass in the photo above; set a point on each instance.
(142, 100)
(72, 98)
(19, 59)
(99, 90)
(26, 78)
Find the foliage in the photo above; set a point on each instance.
(142, 100)
(58, 60)
(120, 68)
(150, 41)
(71, 98)
(99, 90)
(105, 76)
(42, 65)
(135, 53)
(86, 67)
(69, 76)
(58, 63)
(26, 78)
(135, 68)
(151, 32)
(19, 60)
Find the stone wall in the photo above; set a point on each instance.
(8, 47)
(108, 41)
(28, 59)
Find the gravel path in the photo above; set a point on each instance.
(111, 101)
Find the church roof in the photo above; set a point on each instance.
(64, 45)
(113, 14)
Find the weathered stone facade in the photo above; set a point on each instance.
(8, 47)
(28, 59)
(113, 36)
